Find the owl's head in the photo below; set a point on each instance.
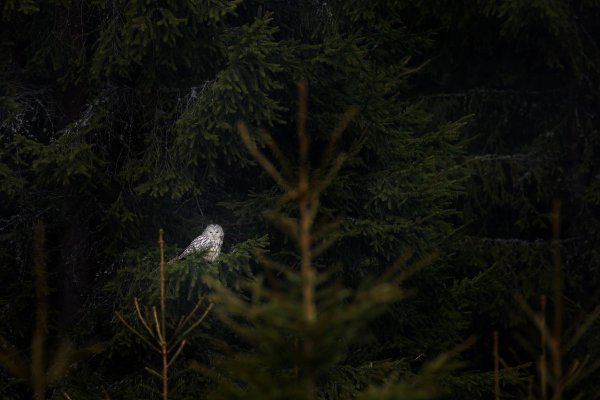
(214, 231)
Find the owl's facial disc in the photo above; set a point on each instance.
(214, 231)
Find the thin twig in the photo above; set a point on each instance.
(141, 318)
(180, 323)
(267, 138)
(260, 157)
(157, 325)
(132, 329)
(339, 129)
(195, 324)
(191, 314)
(174, 357)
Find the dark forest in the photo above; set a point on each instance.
(382, 199)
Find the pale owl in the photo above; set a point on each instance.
(209, 242)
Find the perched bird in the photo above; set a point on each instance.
(209, 242)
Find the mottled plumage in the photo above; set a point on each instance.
(210, 242)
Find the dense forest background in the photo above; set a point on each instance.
(454, 149)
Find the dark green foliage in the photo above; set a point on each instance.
(118, 118)
(528, 72)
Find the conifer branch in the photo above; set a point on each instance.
(325, 181)
(198, 322)
(154, 372)
(538, 320)
(174, 357)
(140, 317)
(326, 229)
(583, 328)
(136, 332)
(180, 323)
(324, 245)
(185, 320)
(260, 157)
(267, 138)
(339, 129)
(157, 326)
(287, 225)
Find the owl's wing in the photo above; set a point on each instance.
(198, 244)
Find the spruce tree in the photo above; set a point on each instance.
(299, 325)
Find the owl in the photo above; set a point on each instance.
(210, 242)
